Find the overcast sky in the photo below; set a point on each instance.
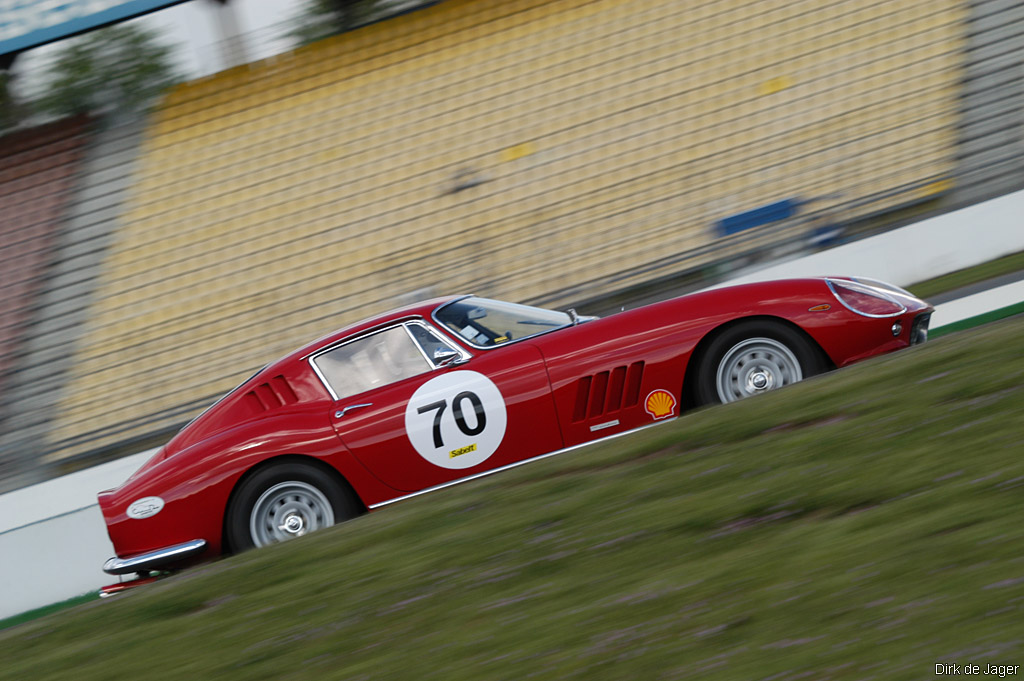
(194, 28)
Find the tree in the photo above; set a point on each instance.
(11, 111)
(320, 19)
(120, 68)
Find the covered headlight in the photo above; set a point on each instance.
(884, 285)
(866, 300)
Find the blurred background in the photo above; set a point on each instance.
(189, 190)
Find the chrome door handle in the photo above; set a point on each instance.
(339, 414)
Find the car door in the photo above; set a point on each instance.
(613, 375)
(416, 422)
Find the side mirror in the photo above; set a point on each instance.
(446, 356)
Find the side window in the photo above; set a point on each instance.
(427, 339)
(371, 362)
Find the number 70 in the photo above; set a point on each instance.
(460, 416)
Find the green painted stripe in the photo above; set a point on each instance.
(978, 320)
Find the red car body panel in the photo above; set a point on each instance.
(560, 388)
(377, 436)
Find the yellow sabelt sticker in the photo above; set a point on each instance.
(462, 450)
(660, 404)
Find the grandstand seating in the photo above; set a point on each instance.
(523, 149)
(37, 168)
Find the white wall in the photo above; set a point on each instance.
(969, 306)
(54, 560)
(53, 540)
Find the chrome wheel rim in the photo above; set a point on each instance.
(289, 510)
(755, 366)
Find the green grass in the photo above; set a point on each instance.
(30, 615)
(865, 524)
(971, 275)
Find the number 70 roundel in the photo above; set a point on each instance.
(456, 420)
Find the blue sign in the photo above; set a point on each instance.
(773, 212)
(29, 23)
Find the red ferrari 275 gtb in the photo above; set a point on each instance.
(448, 390)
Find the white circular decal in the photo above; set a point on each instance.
(145, 507)
(456, 420)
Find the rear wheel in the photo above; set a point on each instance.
(285, 501)
(754, 357)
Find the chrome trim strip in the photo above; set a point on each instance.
(880, 292)
(408, 332)
(356, 335)
(602, 426)
(154, 559)
(465, 354)
(517, 464)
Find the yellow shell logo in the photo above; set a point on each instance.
(660, 404)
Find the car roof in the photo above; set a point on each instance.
(420, 309)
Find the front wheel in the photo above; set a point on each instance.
(283, 502)
(752, 358)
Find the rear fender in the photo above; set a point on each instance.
(196, 483)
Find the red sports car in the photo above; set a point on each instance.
(452, 389)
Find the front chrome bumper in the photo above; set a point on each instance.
(153, 560)
(919, 330)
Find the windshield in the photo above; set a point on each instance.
(485, 323)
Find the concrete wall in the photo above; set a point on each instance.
(978, 303)
(52, 537)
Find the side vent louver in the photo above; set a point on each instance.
(270, 395)
(608, 391)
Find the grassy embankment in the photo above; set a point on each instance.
(866, 524)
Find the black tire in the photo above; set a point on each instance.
(302, 497)
(769, 339)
